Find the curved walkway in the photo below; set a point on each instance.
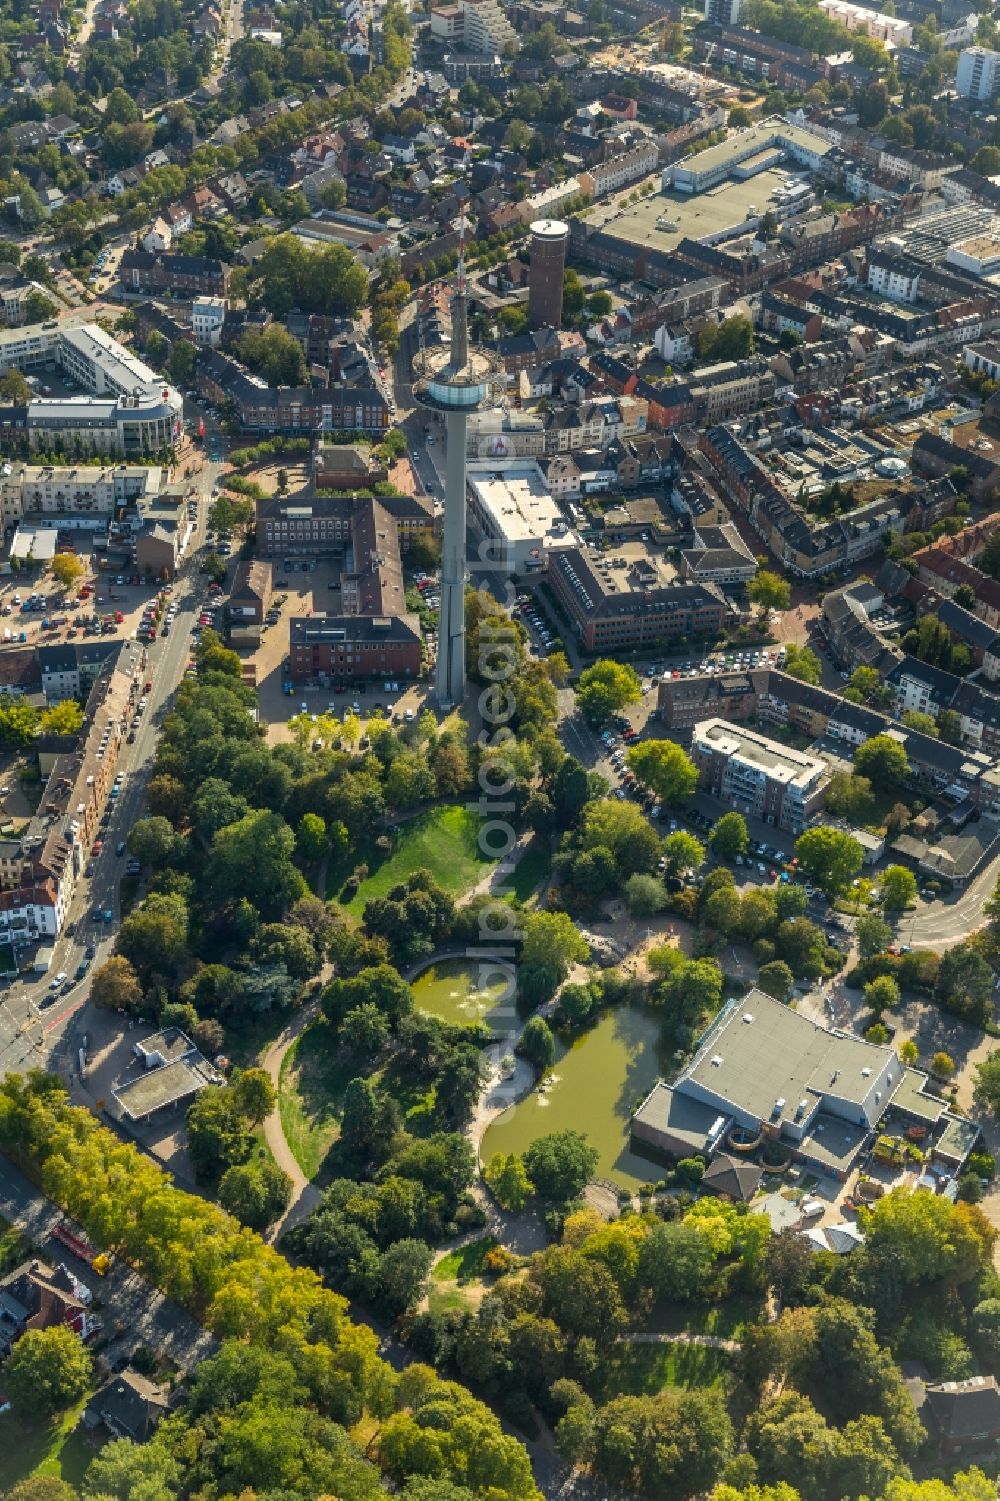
(305, 1196)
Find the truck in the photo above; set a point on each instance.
(79, 1246)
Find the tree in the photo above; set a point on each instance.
(882, 994)
(276, 355)
(942, 1065)
(115, 985)
(181, 365)
(66, 567)
(965, 984)
(802, 662)
(18, 722)
(120, 108)
(732, 339)
(252, 859)
(682, 852)
(831, 858)
(47, 1370)
(730, 836)
(153, 841)
(873, 935)
(15, 390)
(924, 724)
(882, 759)
(364, 1031)
(675, 1261)
(38, 308)
(986, 1091)
(869, 686)
(255, 1193)
(254, 1095)
(899, 888)
(776, 979)
(623, 829)
(508, 1181)
(560, 1165)
(154, 936)
(770, 592)
(552, 938)
(124, 1471)
(665, 768)
(403, 1274)
(644, 896)
(537, 1043)
(605, 688)
(573, 295)
(310, 838)
(64, 718)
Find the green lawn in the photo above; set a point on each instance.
(642, 1370)
(466, 1263)
(313, 1079)
(529, 872)
(13, 1248)
(442, 840)
(44, 1448)
(726, 1319)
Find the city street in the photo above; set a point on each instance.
(29, 1032)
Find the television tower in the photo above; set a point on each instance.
(455, 382)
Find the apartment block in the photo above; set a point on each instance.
(762, 777)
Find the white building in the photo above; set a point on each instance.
(888, 29)
(512, 506)
(747, 152)
(619, 170)
(207, 317)
(894, 277)
(977, 73)
(158, 237)
(68, 490)
(983, 359)
(979, 255)
(473, 26)
(722, 12)
(131, 409)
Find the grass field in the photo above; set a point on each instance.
(312, 1084)
(456, 1281)
(466, 1263)
(43, 1448)
(643, 1370)
(442, 840)
(532, 868)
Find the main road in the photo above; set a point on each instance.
(31, 1025)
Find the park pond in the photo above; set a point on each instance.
(466, 990)
(594, 1086)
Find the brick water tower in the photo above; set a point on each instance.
(549, 238)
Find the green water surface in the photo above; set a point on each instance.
(594, 1087)
(463, 990)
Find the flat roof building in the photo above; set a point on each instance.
(170, 1070)
(131, 410)
(510, 504)
(747, 152)
(764, 1071)
(758, 776)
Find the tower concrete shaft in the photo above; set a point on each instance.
(451, 616)
(454, 384)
